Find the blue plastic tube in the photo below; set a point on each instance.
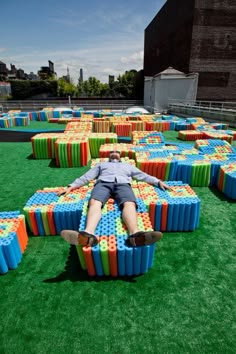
(15, 242)
(66, 213)
(144, 259)
(128, 260)
(187, 212)
(151, 255)
(184, 177)
(57, 221)
(175, 216)
(3, 264)
(9, 253)
(121, 259)
(181, 215)
(97, 260)
(136, 260)
(158, 216)
(62, 218)
(193, 215)
(198, 213)
(170, 215)
(39, 220)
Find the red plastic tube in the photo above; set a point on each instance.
(112, 252)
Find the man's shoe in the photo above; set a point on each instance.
(143, 238)
(82, 238)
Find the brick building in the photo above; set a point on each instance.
(195, 36)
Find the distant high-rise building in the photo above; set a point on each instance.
(111, 79)
(81, 75)
(47, 71)
(195, 36)
(20, 74)
(3, 70)
(68, 74)
(51, 66)
(13, 69)
(32, 76)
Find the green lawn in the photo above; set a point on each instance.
(184, 304)
(35, 125)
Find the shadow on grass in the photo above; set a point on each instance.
(30, 157)
(221, 196)
(52, 164)
(74, 272)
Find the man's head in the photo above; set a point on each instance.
(114, 155)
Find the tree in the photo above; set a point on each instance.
(91, 87)
(127, 84)
(22, 89)
(124, 86)
(66, 88)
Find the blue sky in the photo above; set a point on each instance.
(103, 37)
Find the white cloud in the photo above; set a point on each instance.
(2, 50)
(102, 54)
(135, 58)
(108, 58)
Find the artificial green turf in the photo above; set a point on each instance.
(184, 304)
(37, 125)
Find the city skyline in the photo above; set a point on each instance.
(103, 38)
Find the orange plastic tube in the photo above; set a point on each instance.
(164, 170)
(89, 260)
(23, 233)
(33, 222)
(51, 221)
(83, 158)
(56, 154)
(221, 180)
(20, 237)
(103, 237)
(49, 148)
(152, 211)
(68, 147)
(164, 216)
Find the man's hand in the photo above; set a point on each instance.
(65, 191)
(164, 186)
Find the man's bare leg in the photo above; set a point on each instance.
(94, 215)
(130, 218)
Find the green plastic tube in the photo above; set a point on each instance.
(81, 256)
(105, 259)
(45, 220)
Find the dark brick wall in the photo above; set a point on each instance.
(195, 36)
(167, 40)
(213, 52)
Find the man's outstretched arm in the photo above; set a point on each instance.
(81, 181)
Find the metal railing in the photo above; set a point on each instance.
(205, 105)
(34, 105)
(210, 110)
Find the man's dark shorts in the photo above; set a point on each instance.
(120, 192)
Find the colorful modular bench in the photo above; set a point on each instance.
(13, 240)
(175, 210)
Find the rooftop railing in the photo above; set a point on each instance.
(34, 105)
(210, 110)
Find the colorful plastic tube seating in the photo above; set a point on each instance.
(13, 240)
